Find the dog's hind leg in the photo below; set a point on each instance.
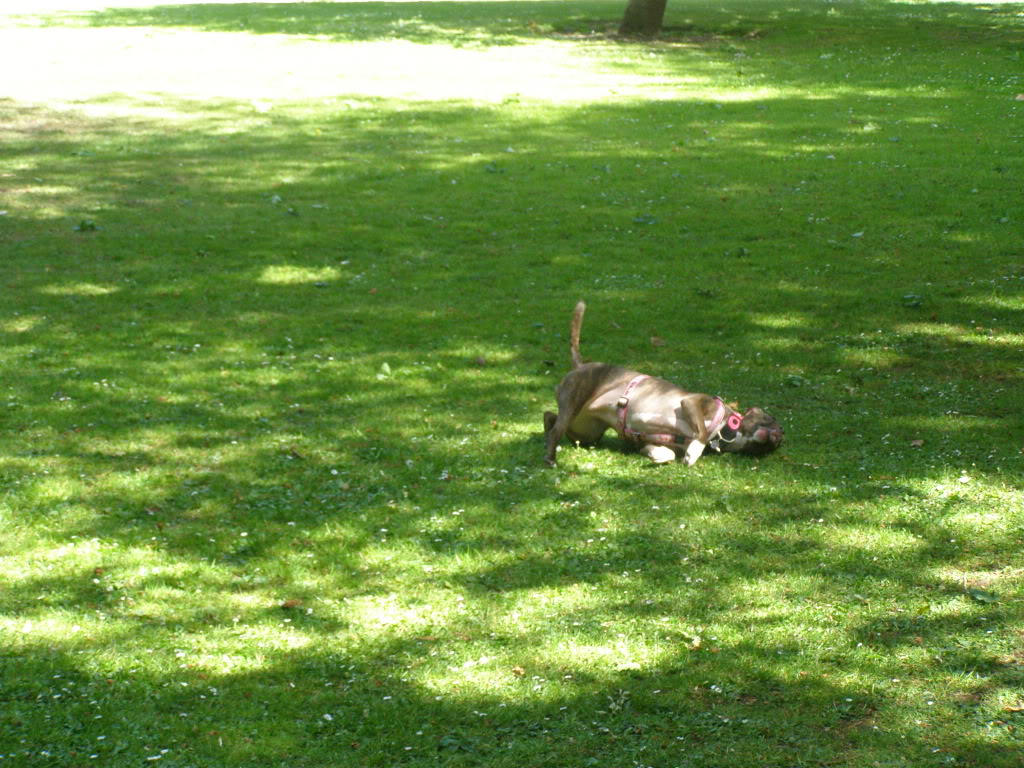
(554, 429)
(549, 421)
(572, 395)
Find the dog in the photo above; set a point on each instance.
(663, 419)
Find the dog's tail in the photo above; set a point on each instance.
(574, 334)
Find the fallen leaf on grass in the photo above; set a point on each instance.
(454, 744)
(982, 596)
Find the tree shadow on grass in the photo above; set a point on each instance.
(368, 250)
(222, 349)
(450, 23)
(405, 693)
(504, 23)
(366, 708)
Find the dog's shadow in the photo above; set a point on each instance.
(534, 446)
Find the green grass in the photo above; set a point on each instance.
(278, 333)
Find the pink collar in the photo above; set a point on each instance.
(724, 427)
(719, 419)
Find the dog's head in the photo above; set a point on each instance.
(757, 434)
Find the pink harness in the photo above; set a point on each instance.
(664, 438)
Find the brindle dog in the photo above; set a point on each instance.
(661, 417)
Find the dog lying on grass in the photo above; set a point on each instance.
(663, 419)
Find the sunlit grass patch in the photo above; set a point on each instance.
(537, 70)
(79, 289)
(292, 275)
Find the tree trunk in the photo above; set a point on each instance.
(643, 18)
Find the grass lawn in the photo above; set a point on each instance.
(285, 289)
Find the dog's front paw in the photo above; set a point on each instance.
(693, 452)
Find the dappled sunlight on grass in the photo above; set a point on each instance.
(977, 334)
(994, 302)
(294, 275)
(778, 321)
(278, 334)
(867, 541)
(79, 289)
(22, 324)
